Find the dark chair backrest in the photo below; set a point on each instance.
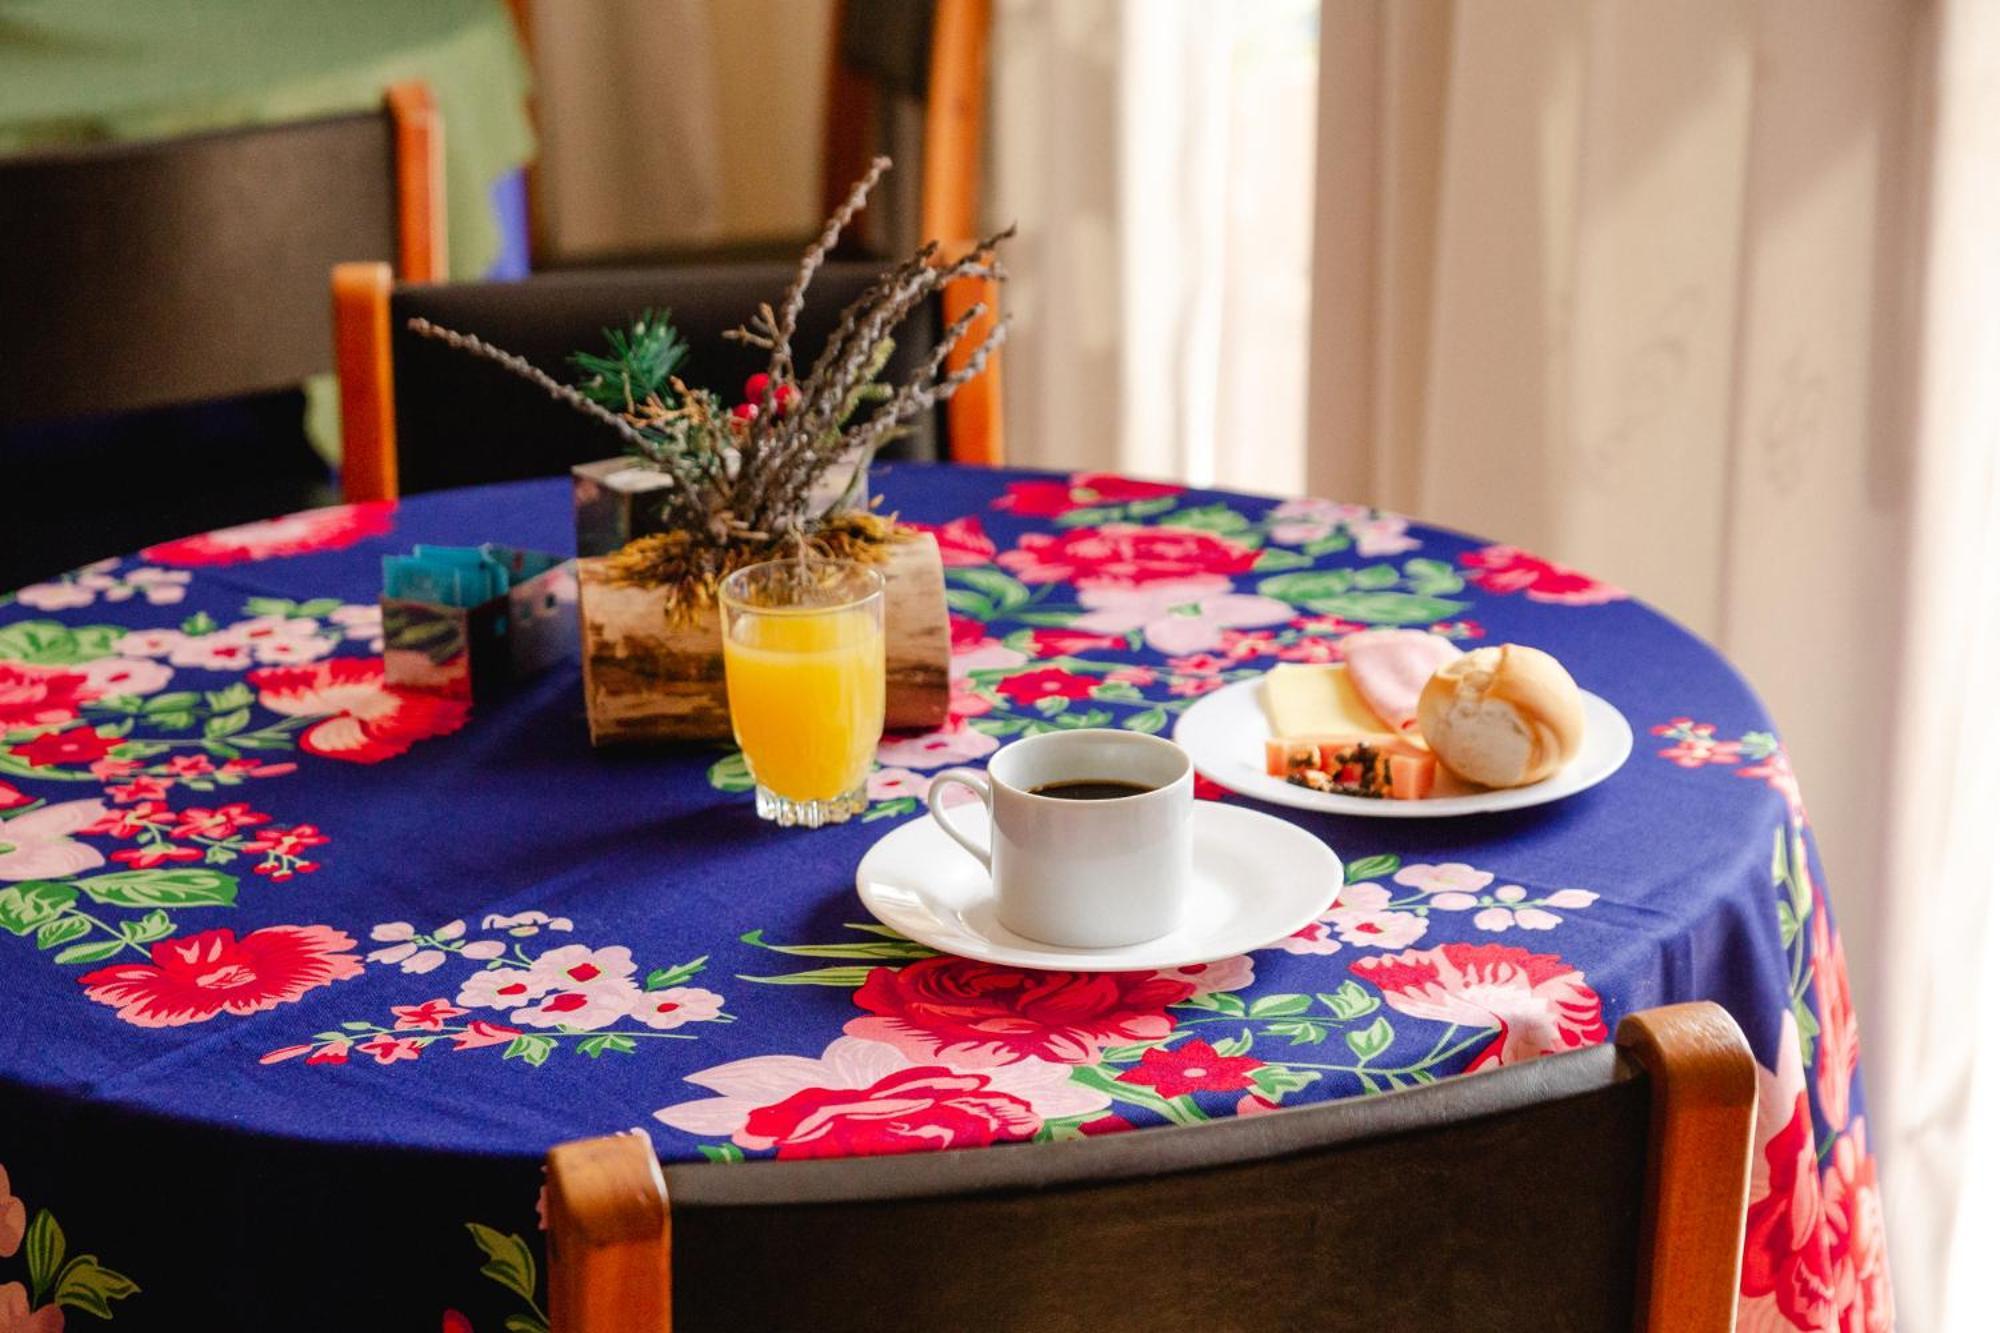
(456, 420)
(136, 275)
(1599, 1190)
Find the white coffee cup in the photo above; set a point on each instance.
(1083, 874)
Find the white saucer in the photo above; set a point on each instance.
(1257, 879)
(1224, 734)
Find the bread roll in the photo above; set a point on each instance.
(1503, 716)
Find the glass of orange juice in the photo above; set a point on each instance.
(802, 651)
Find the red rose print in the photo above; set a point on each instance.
(1193, 1066)
(1063, 642)
(1047, 683)
(366, 720)
(1508, 569)
(1208, 789)
(78, 745)
(1852, 1203)
(12, 797)
(1839, 1032)
(966, 633)
(1785, 1240)
(973, 1015)
(1539, 1003)
(1106, 1124)
(333, 1053)
(192, 978)
(36, 696)
(914, 1110)
(1124, 555)
(454, 1322)
(1047, 499)
(190, 765)
(961, 542)
(312, 530)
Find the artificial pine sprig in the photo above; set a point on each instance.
(641, 365)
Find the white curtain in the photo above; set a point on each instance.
(1700, 297)
(1157, 155)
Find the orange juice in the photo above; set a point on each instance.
(805, 697)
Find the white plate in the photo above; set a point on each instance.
(1256, 879)
(1224, 733)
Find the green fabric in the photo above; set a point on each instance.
(74, 71)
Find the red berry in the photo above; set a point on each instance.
(753, 388)
(782, 400)
(744, 411)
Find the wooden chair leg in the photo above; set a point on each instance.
(1704, 1084)
(610, 1251)
(420, 201)
(367, 390)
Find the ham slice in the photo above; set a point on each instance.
(1389, 668)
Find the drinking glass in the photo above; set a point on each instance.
(803, 654)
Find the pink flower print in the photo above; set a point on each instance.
(524, 924)
(585, 1008)
(893, 784)
(1301, 522)
(387, 1049)
(670, 1008)
(407, 951)
(427, 1017)
(1191, 687)
(40, 845)
(1384, 534)
(1695, 744)
(1539, 1003)
(124, 675)
(479, 1032)
(1507, 912)
(955, 743)
(1361, 917)
(1453, 883)
(1184, 616)
(1315, 937)
(986, 654)
(1228, 974)
(1133, 675)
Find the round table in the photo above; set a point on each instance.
(305, 973)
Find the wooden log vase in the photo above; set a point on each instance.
(646, 680)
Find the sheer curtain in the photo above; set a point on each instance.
(1700, 298)
(1157, 155)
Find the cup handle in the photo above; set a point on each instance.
(975, 782)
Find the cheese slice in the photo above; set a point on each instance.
(1312, 699)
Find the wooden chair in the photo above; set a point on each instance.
(890, 56)
(160, 305)
(179, 270)
(416, 415)
(1601, 1189)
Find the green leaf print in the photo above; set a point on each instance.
(52, 643)
(25, 907)
(186, 886)
(1372, 867)
(1371, 1041)
(509, 1260)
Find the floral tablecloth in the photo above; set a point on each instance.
(305, 973)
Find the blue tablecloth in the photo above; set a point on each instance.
(305, 973)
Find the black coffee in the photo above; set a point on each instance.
(1089, 789)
